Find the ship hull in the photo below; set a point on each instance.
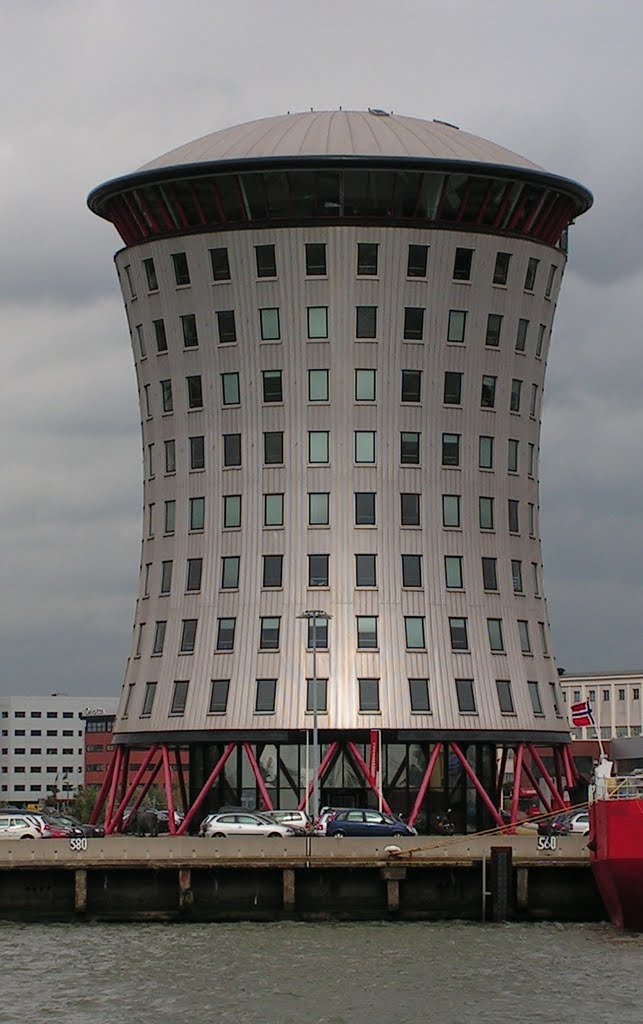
(616, 848)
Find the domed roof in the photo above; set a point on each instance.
(340, 133)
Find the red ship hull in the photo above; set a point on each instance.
(616, 848)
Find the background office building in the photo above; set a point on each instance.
(340, 324)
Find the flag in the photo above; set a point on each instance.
(582, 714)
(374, 765)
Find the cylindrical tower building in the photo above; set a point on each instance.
(340, 324)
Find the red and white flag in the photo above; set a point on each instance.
(582, 714)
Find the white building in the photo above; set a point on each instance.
(42, 746)
(616, 700)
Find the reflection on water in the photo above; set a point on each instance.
(450, 973)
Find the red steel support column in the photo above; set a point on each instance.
(109, 826)
(363, 767)
(141, 796)
(424, 785)
(558, 764)
(265, 796)
(519, 753)
(558, 800)
(326, 762)
(124, 774)
(570, 767)
(482, 793)
(214, 774)
(114, 787)
(501, 775)
(541, 796)
(104, 790)
(167, 778)
(181, 778)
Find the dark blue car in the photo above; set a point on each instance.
(367, 823)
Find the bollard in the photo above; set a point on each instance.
(501, 883)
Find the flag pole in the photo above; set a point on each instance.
(597, 727)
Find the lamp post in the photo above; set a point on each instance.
(314, 616)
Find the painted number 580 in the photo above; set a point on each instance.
(78, 844)
(546, 842)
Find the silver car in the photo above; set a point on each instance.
(18, 826)
(241, 823)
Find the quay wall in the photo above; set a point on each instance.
(172, 879)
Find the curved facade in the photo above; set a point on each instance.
(340, 325)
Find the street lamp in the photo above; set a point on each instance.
(314, 616)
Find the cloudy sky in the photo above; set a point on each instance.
(94, 88)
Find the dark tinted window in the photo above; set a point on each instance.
(226, 326)
(266, 262)
(220, 264)
(462, 264)
(465, 694)
(232, 449)
(413, 323)
(219, 696)
(315, 259)
(366, 321)
(411, 385)
(273, 447)
(410, 509)
(417, 262)
(364, 508)
(367, 258)
(266, 692)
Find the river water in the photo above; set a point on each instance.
(449, 973)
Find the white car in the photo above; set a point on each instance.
(18, 826)
(241, 823)
(578, 822)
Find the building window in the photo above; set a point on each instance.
(523, 633)
(452, 388)
(317, 322)
(365, 571)
(318, 447)
(166, 577)
(367, 632)
(367, 258)
(540, 341)
(230, 388)
(521, 335)
(457, 325)
(219, 696)
(411, 570)
(272, 387)
(318, 570)
(230, 572)
(181, 269)
(266, 262)
(170, 516)
(621, 695)
(411, 385)
(318, 508)
(501, 269)
(494, 326)
(417, 261)
(451, 510)
(535, 579)
(160, 335)
(505, 697)
(269, 323)
(226, 326)
(273, 510)
(534, 694)
(531, 511)
(514, 402)
(225, 634)
(231, 450)
(188, 636)
(462, 264)
(364, 447)
(231, 511)
(365, 385)
(410, 509)
(220, 264)
(413, 323)
(317, 634)
(554, 699)
(166, 396)
(318, 385)
(148, 699)
(272, 571)
(450, 449)
(550, 281)
(273, 445)
(159, 637)
(512, 512)
(317, 695)
(364, 508)
(170, 457)
(496, 639)
(195, 571)
(466, 696)
(197, 452)
(530, 276)
(488, 392)
(195, 392)
(419, 695)
(409, 448)
(516, 575)
(265, 697)
(140, 334)
(315, 259)
(485, 452)
(414, 632)
(369, 694)
(453, 572)
(489, 573)
(179, 697)
(512, 455)
(197, 513)
(269, 633)
(150, 274)
(366, 322)
(534, 401)
(188, 327)
(459, 635)
(545, 649)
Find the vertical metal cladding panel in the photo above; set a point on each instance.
(341, 291)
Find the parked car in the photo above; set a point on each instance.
(79, 828)
(326, 814)
(241, 823)
(298, 821)
(18, 826)
(367, 823)
(49, 827)
(565, 823)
